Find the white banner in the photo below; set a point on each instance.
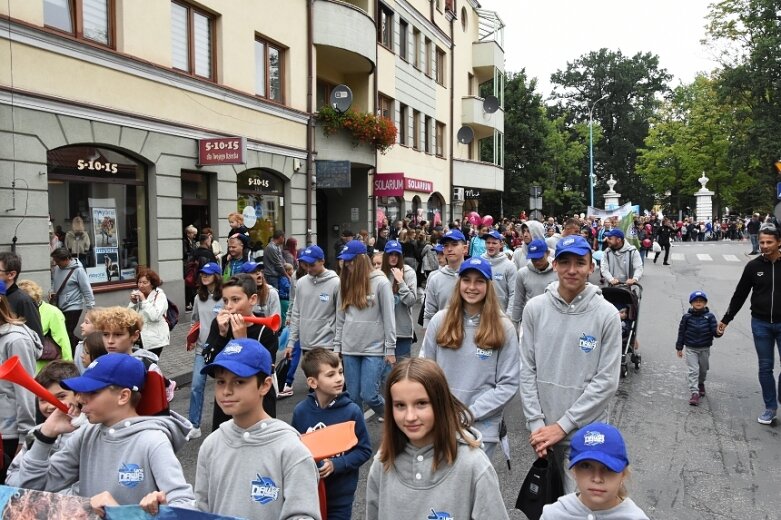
(619, 212)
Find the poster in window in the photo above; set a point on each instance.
(104, 227)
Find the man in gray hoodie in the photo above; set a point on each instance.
(440, 284)
(532, 279)
(71, 286)
(313, 312)
(571, 354)
(622, 262)
(531, 230)
(503, 269)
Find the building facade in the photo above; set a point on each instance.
(121, 122)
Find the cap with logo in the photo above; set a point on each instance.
(311, 255)
(352, 249)
(479, 264)
(452, 234)
(600, 442)
(537, 249)
(250, 267)
(574, 244)
(492, 234)
(3, 288)
(393, 246)
(439, 248)
(121, 370)
(698, 294)
(211, 268)
(245, 357)
(615, 232)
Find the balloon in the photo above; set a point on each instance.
(647, 243)
(488, 220)
(474, 218)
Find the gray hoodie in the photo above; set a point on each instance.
(484, 380)
(129, 460)
(569, 507)
(77, 293)
(17, 404)
(571, 355)
(439, 289)
(468, 488)
(313, 312)
(537, 230)
(503, 272)
(529, 283)
(403, 301)
(262, 472)
(370, 331)
(622, 264)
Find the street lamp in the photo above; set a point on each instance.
(591, 148)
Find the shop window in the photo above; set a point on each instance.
(385, 29)
(269, 70)
(192, 40)
(390, 208)
(97, 203)
(91, 20)
(262, 197)
(434, 210)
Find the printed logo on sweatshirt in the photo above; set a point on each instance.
(324, 297)
(499, 276)
(760, 273)
(264, 490)
(483, 353)
(439, 515)
(587, 343)
(594, 438)
(131, 475)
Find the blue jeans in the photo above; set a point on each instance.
(295, 358)
(403, 350)
(196, 394)
(754, 243)
(363, 374)
(766, 336)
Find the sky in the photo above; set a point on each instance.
(543, 35)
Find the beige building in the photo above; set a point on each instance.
(122, 121)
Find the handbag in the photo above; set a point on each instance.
(543, 485)
(656, 247)
(54, 298)
(51, 349)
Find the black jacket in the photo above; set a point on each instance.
(24, 307)
(697, 329)
(761, 278)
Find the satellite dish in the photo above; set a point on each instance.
(341, 98)
(490, 104)
(465, 135)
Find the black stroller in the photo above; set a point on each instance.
(626, 296)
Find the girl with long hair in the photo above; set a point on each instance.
(402, 278)
(365, 326)
(429, 462)
(476, 345)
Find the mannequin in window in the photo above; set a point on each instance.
(77, 240)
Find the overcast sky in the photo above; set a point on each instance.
(543, 35)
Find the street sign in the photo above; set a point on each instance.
(778, 190)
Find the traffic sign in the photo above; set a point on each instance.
(778, 190)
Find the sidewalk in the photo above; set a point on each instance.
(176, 362)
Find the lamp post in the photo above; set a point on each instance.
(591, 149)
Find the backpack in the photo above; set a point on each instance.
(171, 315)
(191, 271)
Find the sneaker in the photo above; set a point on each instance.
(169, 390)
(701, 388)
(287, 391)
(767, 417)
(695, 399)
(194, 433)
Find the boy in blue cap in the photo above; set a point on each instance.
(440, 284)
(533, 278)
(120, 457)
(696, 331)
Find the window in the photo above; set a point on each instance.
(427, 135)
(264, 191)
(269, 61)
(440, 139)
(416, 48)
(416, 130)
(403, 43)
(440, 54)
(427, 57)
(463, 18)
(192, 40)
(385, 107)
(385, 30)
(323, 93)
(403, 122)
(470, 84)
(86, 19)
(97, 197)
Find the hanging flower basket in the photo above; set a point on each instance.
(366, 128)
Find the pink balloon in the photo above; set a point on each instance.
(488, 220)
(474, 218)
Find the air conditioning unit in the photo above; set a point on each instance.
(458, 194)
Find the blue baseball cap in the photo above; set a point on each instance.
(393, 246)
(698, 294)
(615, 232)
(352, 249)
(493, 234)
(245, 357)
(454, 235)
(121, 370)
(3, 288)
(479, 264)
(600, 442)
(311, 255)
(211, 268)
(537, 249)
(574, 244)
(250, 267)
(439, 248)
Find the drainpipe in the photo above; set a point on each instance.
(310, 126)
(452, 106)
(373, 217)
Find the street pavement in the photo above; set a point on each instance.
(713, 461)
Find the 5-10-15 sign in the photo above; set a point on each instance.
(97, 166)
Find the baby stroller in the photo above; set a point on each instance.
(628, 298)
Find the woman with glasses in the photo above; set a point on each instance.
(762, 278)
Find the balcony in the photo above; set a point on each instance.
(472, 174)
(486, 57)
(483, 123)
(341, 147)
(345, 36)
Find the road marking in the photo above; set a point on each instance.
(704, 257)
(678, 257)
(731, 258)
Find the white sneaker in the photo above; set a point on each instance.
(287, 391)
(169, 390)
(194, 434)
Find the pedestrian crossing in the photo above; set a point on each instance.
(707, 258)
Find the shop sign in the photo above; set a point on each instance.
(471, 194)
(389, 185)
(333, 174)
(222, 150)
(418, 185)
